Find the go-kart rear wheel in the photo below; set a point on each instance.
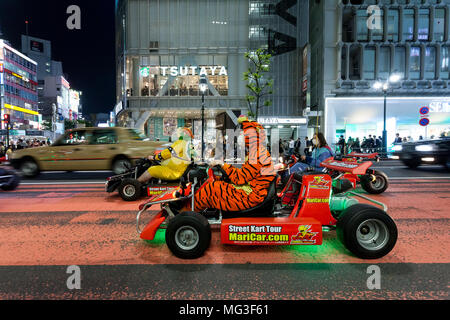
(188, 235)
(376, 183)
(366, 231)
(130, 190)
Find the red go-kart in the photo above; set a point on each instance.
(310, 204)
(372, 181)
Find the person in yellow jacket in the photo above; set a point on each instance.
(174, 160)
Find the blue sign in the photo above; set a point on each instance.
(424, 110)
(424, 122)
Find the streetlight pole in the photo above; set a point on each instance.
(384, 124)
(203, 126)
(203, 86)
(385, 87)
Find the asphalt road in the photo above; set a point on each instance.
(393, 168)
(64, 219)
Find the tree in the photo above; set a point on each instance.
(259, 86)
(69, 124)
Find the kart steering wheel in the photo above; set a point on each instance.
(224, 175)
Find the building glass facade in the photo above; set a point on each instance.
(376, 39)
(164, 47)
(18, 82)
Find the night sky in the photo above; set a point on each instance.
(88, 55)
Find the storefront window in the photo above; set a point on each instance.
(430, 63)
(424, 24)
(445, 62)
(414, 63)
(439, 24)
(408, 24)
(182, 81)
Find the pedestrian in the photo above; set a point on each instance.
(341, 145)
(349, 147)
(398, 139)
(291, 147)
(356, 145)
(298, 145)
(308, 146)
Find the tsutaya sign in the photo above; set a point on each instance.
(192, 71)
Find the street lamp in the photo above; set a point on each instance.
(385, 87)
(203, 86)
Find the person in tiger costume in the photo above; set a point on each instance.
(249, 184)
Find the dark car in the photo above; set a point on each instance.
(414, 154)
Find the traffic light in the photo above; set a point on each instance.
(7, 118)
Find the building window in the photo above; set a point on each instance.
(439, 24)
(257, 32)
(377, 33)
(369, 63)
(384, 62)
(183, 81)
(430, 63)
(414, 63)
(348, 21)
(362, 32)
(392, 31)
(424, 24)
(400, 61)
(344, 62)
(408, 24)
(445, 62)
(355, 63)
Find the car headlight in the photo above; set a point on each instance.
(397, 148)
(424, 148)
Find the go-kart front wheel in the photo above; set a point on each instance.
(375, 183)
(367, 231)
(188, 235)
(130, 190)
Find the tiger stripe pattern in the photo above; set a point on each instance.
(249, 184)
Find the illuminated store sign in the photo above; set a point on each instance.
(190, 71)
(440, 106)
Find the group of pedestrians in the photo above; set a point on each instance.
(288, 148)
(366, 145)
(19, 144)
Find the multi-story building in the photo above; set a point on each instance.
(19, 97)
(163, 47)
(356, 43)
(53, 88)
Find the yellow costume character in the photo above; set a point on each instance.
(175, 159)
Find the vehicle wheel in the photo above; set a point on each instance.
(29, 168)
(366, 231)
(412, 163)
(447, 164)
(188, 235)
(13, 184)
(377, 186)
(130, 189)
(121, 165)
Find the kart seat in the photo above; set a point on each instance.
(264, 209)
